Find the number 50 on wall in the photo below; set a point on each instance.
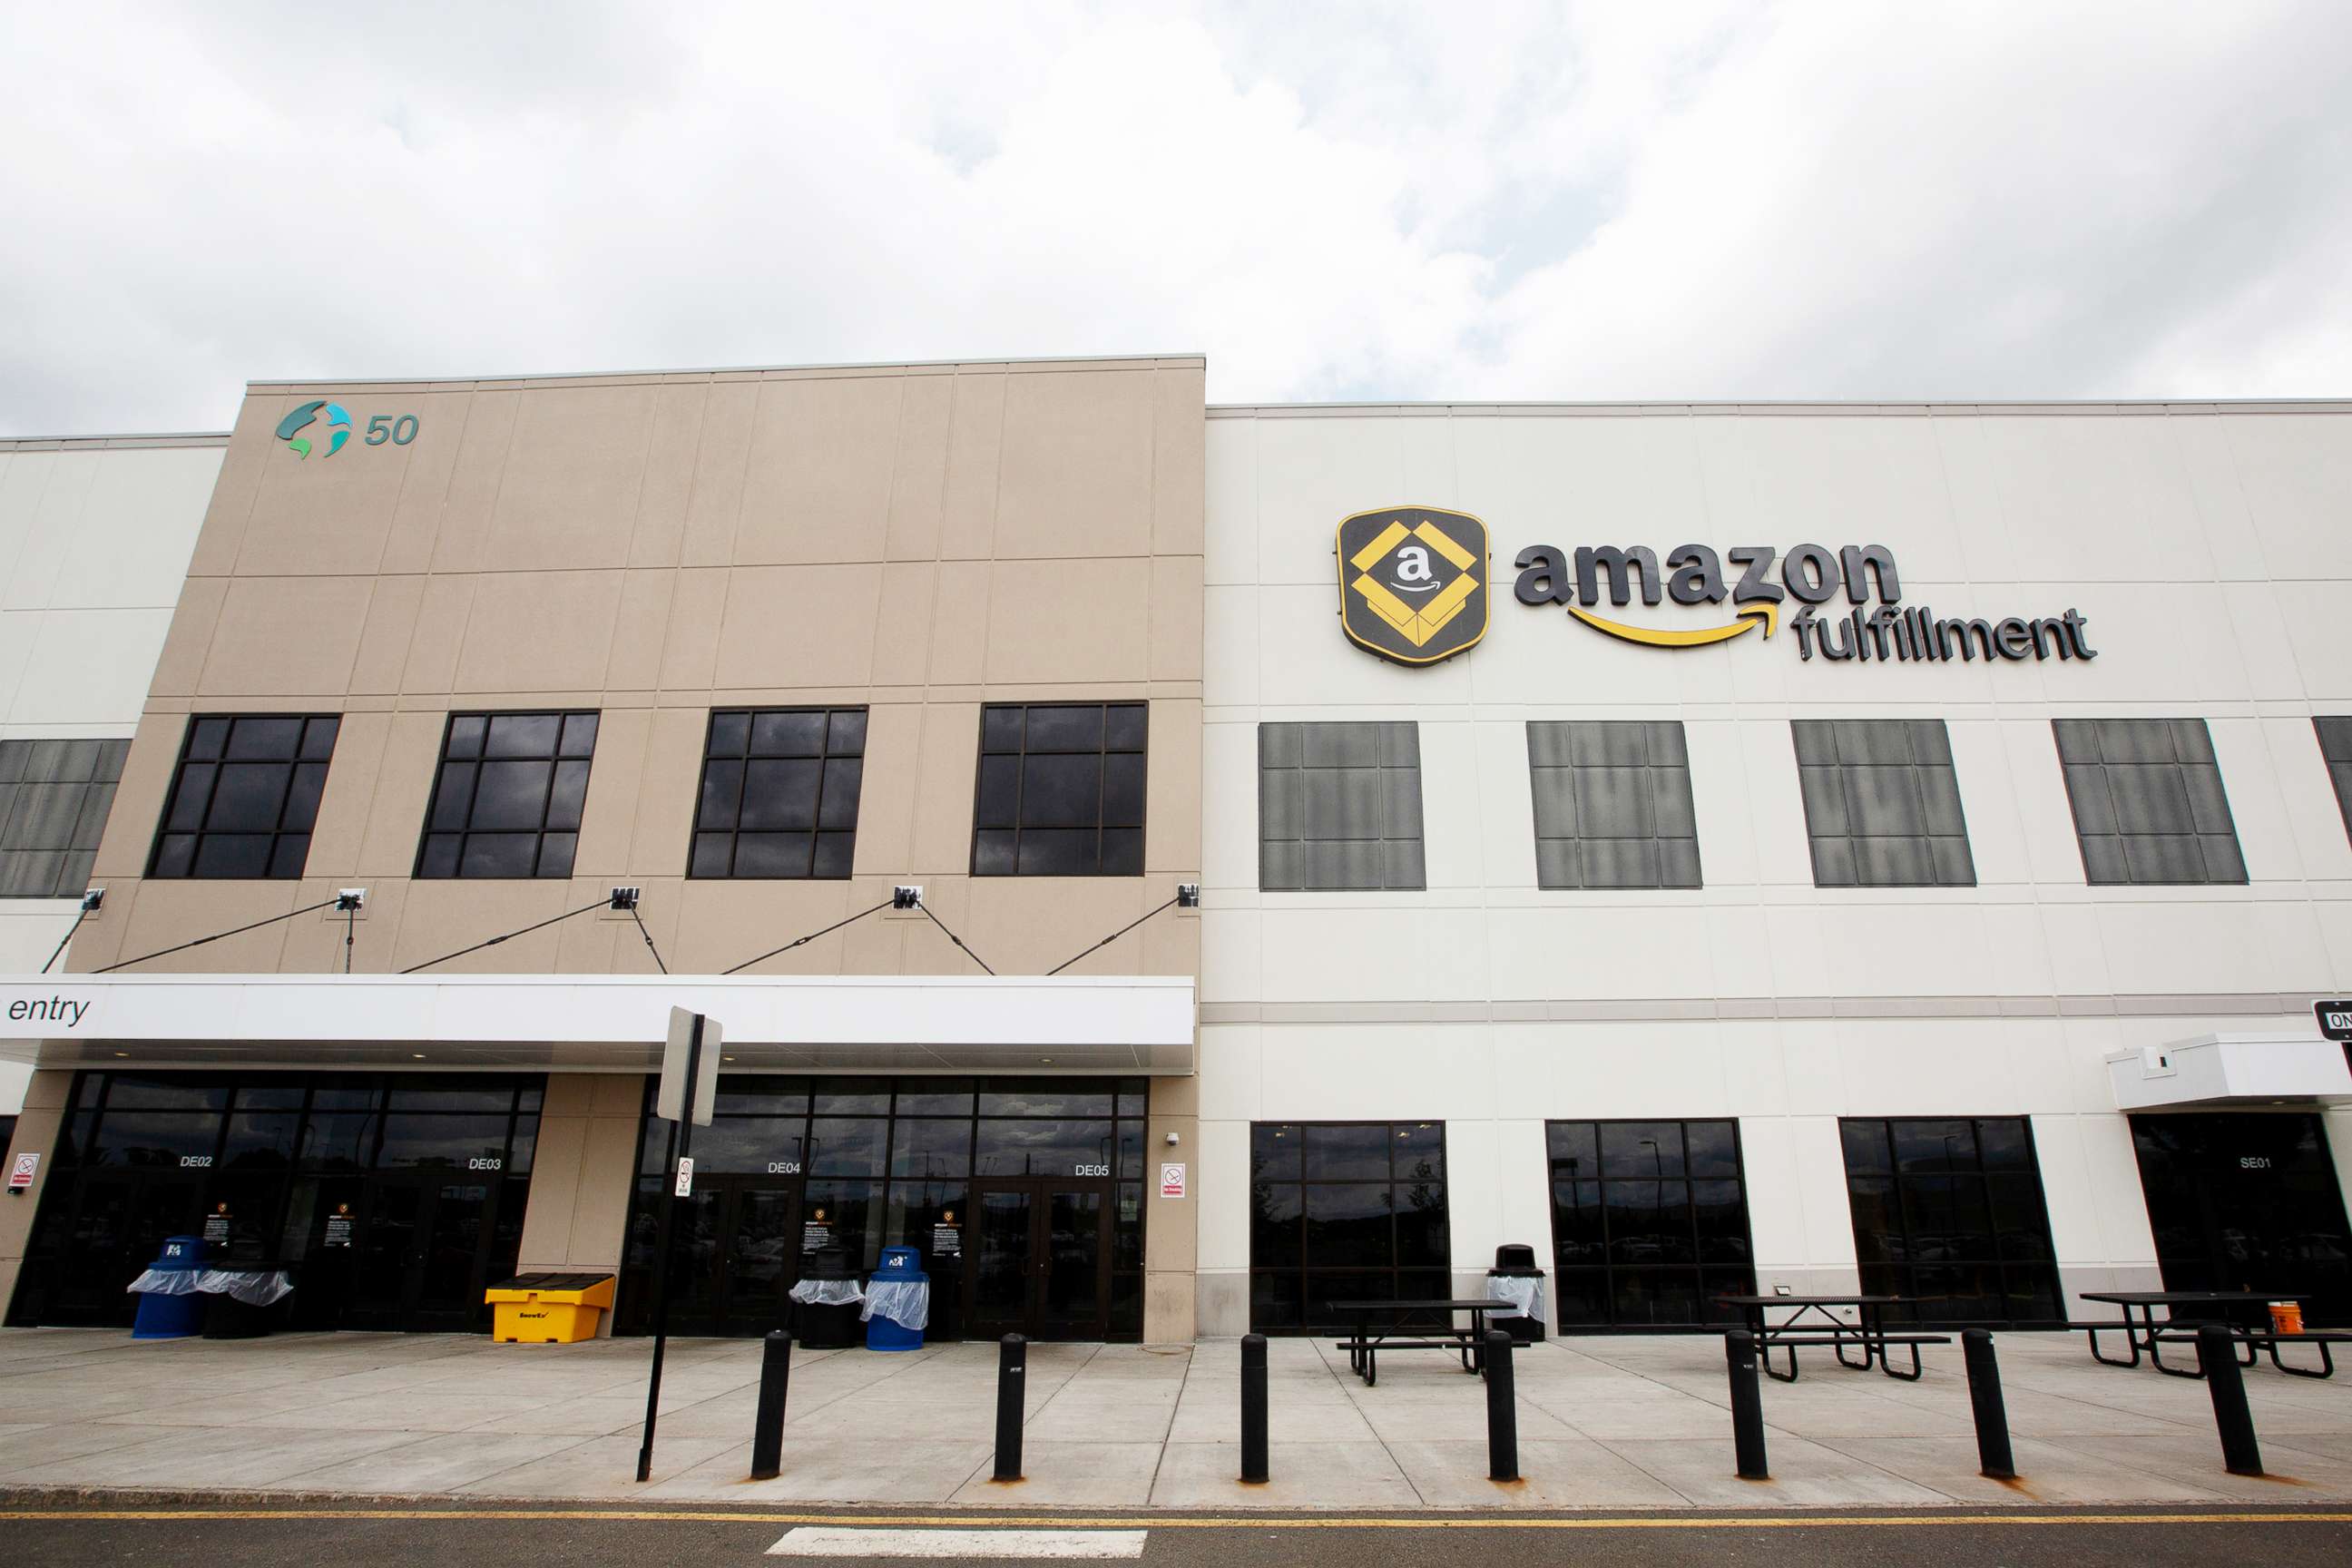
(385, 427)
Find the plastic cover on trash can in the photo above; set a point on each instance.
(826, 1292)
(906, 1302)
(1525, 1292)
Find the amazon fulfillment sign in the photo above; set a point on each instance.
(1411, 591)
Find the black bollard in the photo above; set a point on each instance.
(1993, 1457)
(1747, 1405)
(1502, 1410)
(1011, 1363)
(768, 1426)
(2217, 1358)
(1254, 1408)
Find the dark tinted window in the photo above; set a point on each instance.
(1613, 804)
(1339, 807)
(2147, 800)
(1649, 1222)
(1345, 1211)
(780, 789)
(1060, 791)
(1947, 1213)
(508, 796)
(246, 797)
(2336, 749)
(1882, 803)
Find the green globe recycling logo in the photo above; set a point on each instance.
(338, 420)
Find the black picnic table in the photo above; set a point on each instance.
(2147, 1334)
(1813, 1320)
(1365, 1339)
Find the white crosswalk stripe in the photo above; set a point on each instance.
(832, 1541)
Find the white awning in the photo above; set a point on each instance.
(2232, 1069)
(1005, 1024)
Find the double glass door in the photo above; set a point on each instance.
(1039, 1259)
(734, 1254)
(2247, 1201)
(421, 1256)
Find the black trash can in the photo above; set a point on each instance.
(828, 1325)
(1516, 1261)
(947, 1297)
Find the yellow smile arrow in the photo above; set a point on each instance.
(1766, 615)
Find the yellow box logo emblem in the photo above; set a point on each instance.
(1413, 582)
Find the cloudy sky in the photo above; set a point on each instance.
(1611, 201)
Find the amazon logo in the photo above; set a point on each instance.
(1755, 584)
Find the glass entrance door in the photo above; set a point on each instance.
(121, 1222)
(735, 1253)
(421, 1260)
(2247, 1201)
(1039, 1259)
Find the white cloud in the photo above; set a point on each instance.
(1610, 200)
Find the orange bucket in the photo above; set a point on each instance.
(2286, 1317)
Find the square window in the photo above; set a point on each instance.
(1882, 803)
(2149, 808)
(1613, 804)
(242, 800)
(509, 795)
(789, 809)
(1060, 791)
(1339, 807)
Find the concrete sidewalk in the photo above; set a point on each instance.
(1603, 1422)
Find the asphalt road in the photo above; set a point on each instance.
(90, 1535)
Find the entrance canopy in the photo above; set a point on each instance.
(1004, 1023)
(2230, 1069)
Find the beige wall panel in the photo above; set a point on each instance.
(1171, 941)
(902, 632)
(1025, 925)
(662, 908)
(1172, 807)
(885, 791)
(36, 1133)
(181, 666)
(342, 827)
(1170, 1311)
(919, 485)
(322, 515)
(639, 631)
(539, 631)
(594, 944)
(440, 635)
(876, 945)
(1176, 617)
(817, 486)
(959, 628)
(1076, 477)
(555, 1170)
(943, 797)
(667, 487)
(924, 947)
(169, 912)
(147, 779)
(432, 458)
(975, 437)
(1069, 621)
(313, 944)
(799, 626)
(718, 496)
(572, 473)
(398, 788)
(698, 608)
(242, 464)
(286, 637)
(614, 1093)
(383, 657)
(440, 917)
(615, 780)
(608, 1169)
(474, 481)
(1180, 461)
(723, 923)
(668, 784)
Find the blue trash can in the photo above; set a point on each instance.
(164, 1315)
(899, 1287)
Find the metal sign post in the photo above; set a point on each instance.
(688, 1095)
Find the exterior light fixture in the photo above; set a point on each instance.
(624, 898)
(1188, 895)
(417, 1055)
(350, 900)
(91, 900)
(906, 898)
